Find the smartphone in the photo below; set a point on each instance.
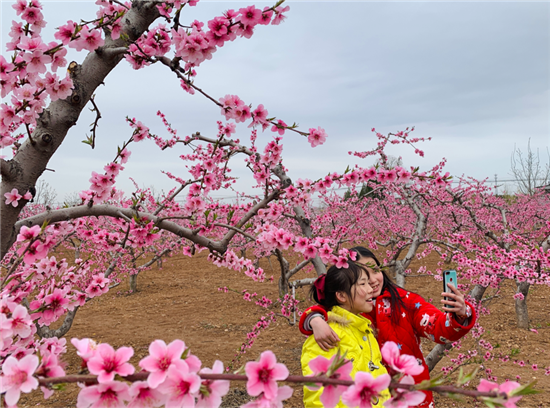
(449, 276)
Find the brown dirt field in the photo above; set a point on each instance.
(182, 301)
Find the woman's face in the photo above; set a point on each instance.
(376, 280)
(362, 296)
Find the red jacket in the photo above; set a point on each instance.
(418, 319)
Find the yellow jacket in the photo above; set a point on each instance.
(357, 338)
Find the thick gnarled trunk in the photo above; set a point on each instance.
(23, 171)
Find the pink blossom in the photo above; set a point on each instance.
(20, 322)
(519, 296)
(161, 358)
(13, 197)
(317, 136)
(250, 15)
(86, 348)
(28, 234)
(107, 362)
(283, 393)
(439, 181)
(506, 387)
(124, 155)
(280, 17)
(259, 117)
(215, 390)
(404, 175)
(396, 362)
(370, 173)
(19, 6)
(180, 386)
(331, 393)
(108, 394)
(65, 33)
(49, 366)
(310, 251)
(264, 374)
(366, 388)
(88, 40)
(17, 377)
(279, 127)
(405, 398)
(55, 306)
(143, 396)
(32, 15)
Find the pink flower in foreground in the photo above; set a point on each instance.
(107, 362)
(161, 357)
(215, 390)
(109, 394)
(17, 377)
(264, 374)
(143, 396)
(404, 398)
(283, 393)
(13, 197)
(180, 386)
(331, 393)
(366, 388)
(506, 387)
(405, 363)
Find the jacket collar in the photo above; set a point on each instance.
(345, 319)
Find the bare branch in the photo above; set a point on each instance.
(240, 231)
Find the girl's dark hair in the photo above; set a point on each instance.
(338, 280)
(396, 303)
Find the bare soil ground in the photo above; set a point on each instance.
(182, 301)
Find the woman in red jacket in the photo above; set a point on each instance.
(400, 316)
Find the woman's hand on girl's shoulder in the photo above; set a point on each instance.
(325, 337)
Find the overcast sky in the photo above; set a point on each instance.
(473, 76)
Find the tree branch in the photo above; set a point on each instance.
(65, 214)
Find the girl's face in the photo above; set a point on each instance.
(361, 301)
(376, 280)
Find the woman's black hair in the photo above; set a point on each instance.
(396, 303)
(338, 280)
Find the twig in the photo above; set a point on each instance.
(240, 231)
(98, 116)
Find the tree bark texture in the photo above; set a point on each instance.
(522, 316)
(31, 159)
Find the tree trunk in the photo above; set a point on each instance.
(399, 274)
(437, 353)
(283, 280)
(133, 283)
(522, 316)
(400, 280)
(46, 332)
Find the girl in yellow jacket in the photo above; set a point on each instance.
(345, 292)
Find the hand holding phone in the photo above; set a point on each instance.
(455, 302)
(449, 276)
